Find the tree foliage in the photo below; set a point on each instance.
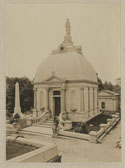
(26, 94)
(100, 84)
(108, 86)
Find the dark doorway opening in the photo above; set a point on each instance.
(103, 105)
(57, 106)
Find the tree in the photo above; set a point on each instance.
(26, 94)
(117, 88)
(100, 84)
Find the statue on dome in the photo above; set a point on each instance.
(67, 25)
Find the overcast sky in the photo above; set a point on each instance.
(33, 31)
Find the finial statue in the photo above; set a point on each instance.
(67, 39)
(67, 25)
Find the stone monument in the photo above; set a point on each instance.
(17, 109)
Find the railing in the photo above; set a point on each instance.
(64, 121)
(62, 118)
(34, 121)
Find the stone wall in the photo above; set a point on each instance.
(110, 104)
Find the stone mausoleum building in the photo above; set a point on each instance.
(65, 84)
(109, 101)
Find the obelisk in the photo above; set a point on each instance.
(17, 109)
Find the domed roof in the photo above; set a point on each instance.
(67, 62)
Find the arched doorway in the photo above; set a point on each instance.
(57, 102)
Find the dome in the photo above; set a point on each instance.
(67, 62)
(69, 66)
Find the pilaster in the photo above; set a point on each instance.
(63, 100)
(82, 99)
(47, 99)
(35, 98)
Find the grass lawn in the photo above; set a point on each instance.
(14, 149)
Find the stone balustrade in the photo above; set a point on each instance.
(104, 129)
(63, 122)
(37, 120)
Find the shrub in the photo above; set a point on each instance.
(11, 121)
(81, 128)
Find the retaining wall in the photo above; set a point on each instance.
(93, 136)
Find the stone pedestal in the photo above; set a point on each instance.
(103, 126)
(29, 121)
(68, 125)
(93, 137)
(35, 113)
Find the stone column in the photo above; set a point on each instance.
(91, 100)
(95, 97)
(35, 113)
(97, 100)
(82, 99)
(63, 100)
(88, 102)
(35, 98)
(47, 100)
(86, 99)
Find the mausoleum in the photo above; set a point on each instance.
(65, 84)
(108, 101)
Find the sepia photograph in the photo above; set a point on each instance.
(63, 83)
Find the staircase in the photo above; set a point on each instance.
(44, 129)
(47, 124)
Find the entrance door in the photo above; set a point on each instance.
(57, 106)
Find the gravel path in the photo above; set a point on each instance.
(83, 151)
(73, 150)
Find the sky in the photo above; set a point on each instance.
(32, 31)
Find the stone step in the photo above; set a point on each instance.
(45, 125)
(28, 133)
(39, 130)
(10, 131)
(48, 121)
(51, 123)
(36, 130)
